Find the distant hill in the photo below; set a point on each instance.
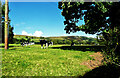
(59, 37)
(62, 38)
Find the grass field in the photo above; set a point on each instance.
(34, 61)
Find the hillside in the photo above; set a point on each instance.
(79, 38)
(60, 39)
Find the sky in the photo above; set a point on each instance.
(39, 19)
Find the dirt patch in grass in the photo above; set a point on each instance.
(97, 61)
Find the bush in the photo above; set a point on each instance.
(18, 41)
(112, 46)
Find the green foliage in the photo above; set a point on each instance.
(48, 39)
(31, 37)
(42, 38)
(21, 40)
(112, 51)
(101, 18)
(10, 40)
(0, 23)
(17, 41)
(28, 40)
(0, 8)
(26, 37)
(55, 41)
(91, 11)
(11, 34)
(67, 42)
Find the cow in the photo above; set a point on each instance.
(22, 44)
(27, 43)
(72, 44)
(50, 43)
(46, 43)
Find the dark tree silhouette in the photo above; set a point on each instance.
(101, 18)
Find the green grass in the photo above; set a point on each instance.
(34, 61)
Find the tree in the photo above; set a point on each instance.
(10, 27)
(31, 37)
(101, 18)
(0, 23)
(42, 37)
(55, 41)
(75, 41)
(22, 40)
(67, 41)
(28, 40)
(11, 34)
(26, 37)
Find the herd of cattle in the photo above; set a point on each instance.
(44, 43)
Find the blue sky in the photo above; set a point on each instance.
(39, 19)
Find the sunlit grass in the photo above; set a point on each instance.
(34, 61)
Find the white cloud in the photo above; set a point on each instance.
(37, 33)
(93, 36)
(25, 33)
(66, 34)
(14, 33)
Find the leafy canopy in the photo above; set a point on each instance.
(98, 16)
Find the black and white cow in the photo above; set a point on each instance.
(50, 43)
(22, 44)
(72, 44)
(27, 43)
(46, 43)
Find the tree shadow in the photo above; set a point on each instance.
(13, 48)
(105, 71)
(9, 46)
(81, 48)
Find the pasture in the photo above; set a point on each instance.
(34, 61)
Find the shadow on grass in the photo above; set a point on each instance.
(105, 71)
(80, 48)
(13, 48)
(9, 46)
